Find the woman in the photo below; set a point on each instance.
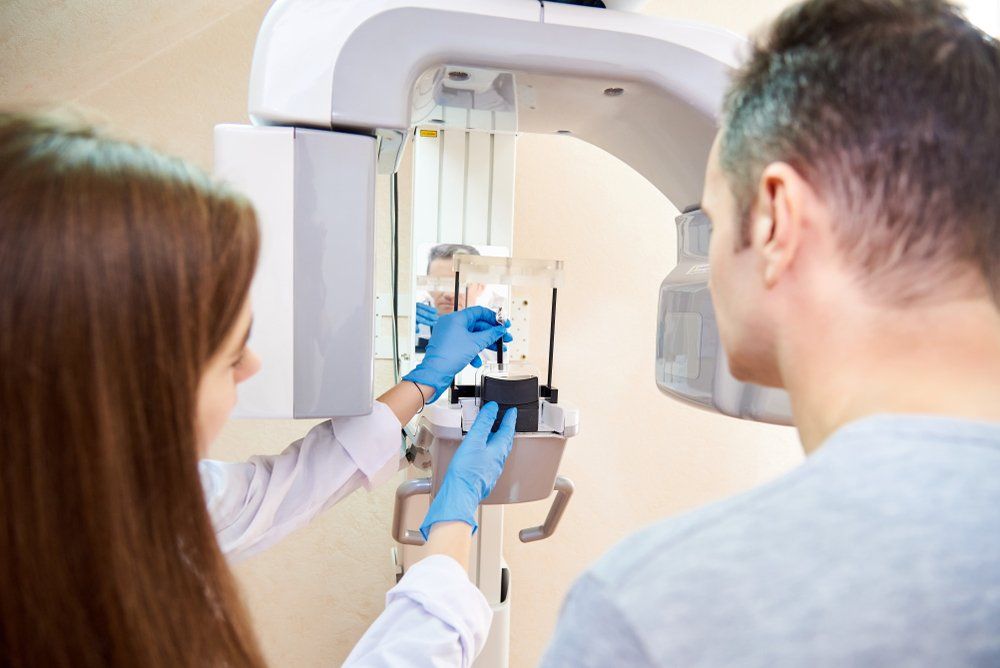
(123, 323)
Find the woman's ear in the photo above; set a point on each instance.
(778, 221)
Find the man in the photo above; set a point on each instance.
(440, 265)
(854, 191)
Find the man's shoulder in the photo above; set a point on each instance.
(870, 538)
(647, 558)
(873, 464)
(655, 592)
(880, 473)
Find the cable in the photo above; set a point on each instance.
(406, 437)
(394, 240)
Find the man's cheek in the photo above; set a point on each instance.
(717, 273)
(720, 285)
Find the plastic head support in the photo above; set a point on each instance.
(690, 363)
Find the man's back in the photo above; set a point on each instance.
(882, 549)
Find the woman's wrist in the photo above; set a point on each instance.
(433, 373)
(451, 539)
(406, 399)
(426, 391)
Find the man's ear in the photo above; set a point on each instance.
(777, 224)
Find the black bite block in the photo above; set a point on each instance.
(519, 393)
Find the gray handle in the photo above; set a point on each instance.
(403, 492)
(564, 490)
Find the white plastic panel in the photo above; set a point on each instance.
(502, 191)
(488, 552)
(478, 175)
(426, 182)
(259, 162)
(453, 170)
(496, 651)
(463, 184)
(313, 293)
(334, 275)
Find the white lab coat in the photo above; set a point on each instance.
(434, 617)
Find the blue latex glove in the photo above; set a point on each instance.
(473, 471)
(426, 314)
(456, 342)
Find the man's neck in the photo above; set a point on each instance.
(940, 359)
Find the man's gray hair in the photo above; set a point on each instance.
(448, 251)
(891, 110)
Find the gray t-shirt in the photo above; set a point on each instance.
(883, 549)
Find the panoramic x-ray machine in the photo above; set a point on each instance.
(338, 88)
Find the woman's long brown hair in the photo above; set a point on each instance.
(121, 272)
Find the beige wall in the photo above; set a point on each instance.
(166, 72)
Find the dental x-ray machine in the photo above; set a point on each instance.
(337, 89)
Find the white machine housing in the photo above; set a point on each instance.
(690, 362)
(314, 289)
(336, 89)
(363, 74)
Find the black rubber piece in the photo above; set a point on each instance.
(520, 393)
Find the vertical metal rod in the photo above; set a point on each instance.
(552, 334)
(454, 307)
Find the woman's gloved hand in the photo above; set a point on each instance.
(426, 314)
(474, 470)
(456, 342)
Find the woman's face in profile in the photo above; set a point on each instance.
(232, 364)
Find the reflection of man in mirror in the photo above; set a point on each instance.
(440, 265)
(439, 302)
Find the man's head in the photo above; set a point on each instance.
(440, 265)
(858, 153)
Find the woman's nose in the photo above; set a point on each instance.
(251, 365)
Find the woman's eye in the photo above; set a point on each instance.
(239, 360)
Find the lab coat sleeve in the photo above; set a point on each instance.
(434, 617)
(256, 503)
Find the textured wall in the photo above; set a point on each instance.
(166, 72)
